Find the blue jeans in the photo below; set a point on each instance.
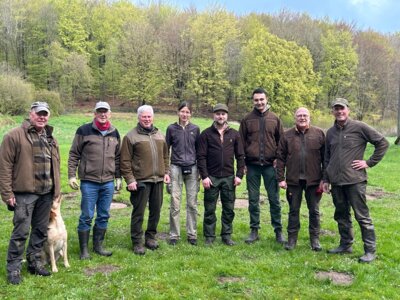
(95, 196)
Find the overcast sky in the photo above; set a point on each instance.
(379, 15)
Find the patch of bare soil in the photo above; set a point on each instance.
(337, 278)
(72, 195)
(104, 269)
(376, 194)
(117, 205)
(241, 203)
(328, 232)
(229, 279)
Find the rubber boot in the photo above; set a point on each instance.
(83, 244)
(98, 238)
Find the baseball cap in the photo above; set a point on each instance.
(340, 101)
(102, 104)
(40, 106)
(220, 106)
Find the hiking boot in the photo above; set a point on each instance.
(36, 268)
(173, 242)
(14, 277)
(151, 244)
(315, 245)
(192, 242)
(98, 238)
(139, 249)
(291, 243)
(209, 241)
(83, 244)
(367, 257)
(253, 236)
(228, 241)
(342, 249)
(279, 237)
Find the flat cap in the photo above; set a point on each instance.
(219, 107)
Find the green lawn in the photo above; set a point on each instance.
(260, 271)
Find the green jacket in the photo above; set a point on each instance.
(144, 156)
(344, 145)
(17, 174)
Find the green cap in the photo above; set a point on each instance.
(220, 106)
(340, 101)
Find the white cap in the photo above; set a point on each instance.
(102, 104)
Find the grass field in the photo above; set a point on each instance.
(263, 270)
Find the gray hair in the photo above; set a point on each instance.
(144, 108)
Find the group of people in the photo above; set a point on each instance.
(301, 159)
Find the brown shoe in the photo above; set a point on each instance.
(151, 244)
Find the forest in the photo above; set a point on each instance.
(64, 51)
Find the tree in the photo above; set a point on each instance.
(283, 68)
(339, 64)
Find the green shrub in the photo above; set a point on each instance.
(53, 99)
(16, 95)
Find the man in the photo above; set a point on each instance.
(95, 152)
(301, 155)
(261, 131)
(29, 180)
(145, 166)
(181, 139)
(217, 148)
(345, 170)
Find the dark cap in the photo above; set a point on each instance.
(340, 101)
(219, 107)
(40, 106)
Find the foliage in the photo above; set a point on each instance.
(53, 99)
(287, 73)
(15, 94)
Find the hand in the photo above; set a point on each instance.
(11, 202)
(207, 183)
(118, 184)
(325, 187)
(132, 186)
(167, 179)
(359, 164)
(73, 183)
(237, 181)
(283, 184)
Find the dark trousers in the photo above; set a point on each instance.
(253, 178)
(32, 212)
(152, 194)
(294, 195)
(224, 187)
(345, 197)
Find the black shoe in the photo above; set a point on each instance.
(38, 269)
(173, 242)
(291, 243)
(209, 241)
(151, 244)
(192, 242)
(228, 241)
(367, 257)
(139, 249)
(253, 236)
(14, 277)
(342, 249)
(315, 245)
(279, 237)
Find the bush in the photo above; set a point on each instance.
(16, 95)
(53, 99)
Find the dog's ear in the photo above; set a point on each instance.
(52, 215)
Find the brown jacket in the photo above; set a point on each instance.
(17, 174)
(144, 156)
(301, 155)
(260, 133)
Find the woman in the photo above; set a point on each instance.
(181, 139)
